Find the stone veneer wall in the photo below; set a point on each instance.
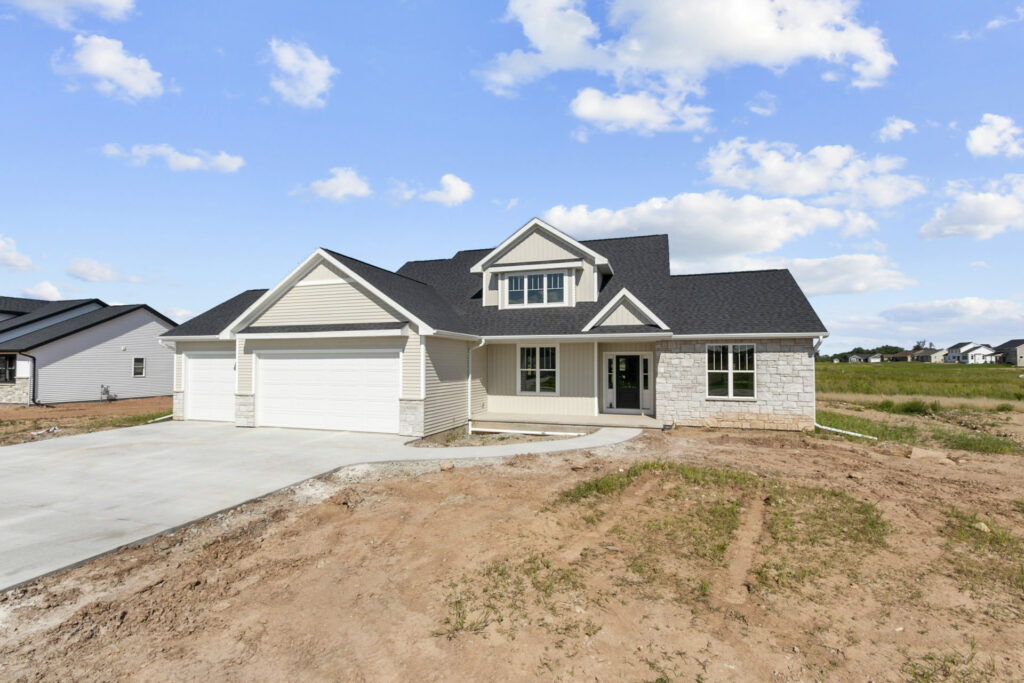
(410, 417)
(18, 392)
(178, 405)
(784, 386)
(245, 410)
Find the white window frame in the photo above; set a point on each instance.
(558, 369)
(568, 289)
(729, 371)
(144, 364)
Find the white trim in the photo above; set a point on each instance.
(729, 372)
(315, 283)
(616, 300)
(763, 335)
(197, 337)
(143, 359)
(538, 370)
(620, 336)
(554, 265)
(530, 225)
(597, 380)
(646, 395)
(384, 351)
(444, 334)
(396, 332)
(568, 283)
(423, 368)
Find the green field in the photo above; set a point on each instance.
(922, 379)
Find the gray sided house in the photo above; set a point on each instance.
(541, 330)
(81, 350)
(1012, 352)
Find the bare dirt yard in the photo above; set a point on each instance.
(691, 555)
(19, 424)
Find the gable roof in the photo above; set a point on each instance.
(537, 225)
(18, 305)
(1012, 344)
(213, 321)
(65, 328)
(49, 308)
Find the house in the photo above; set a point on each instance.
(542, 329)
(971, 353)
(81, 350)
(930, 355)
(1012, 352)
(902, 357)
(864, 358)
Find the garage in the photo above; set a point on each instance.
(340, 390)
(210, 386)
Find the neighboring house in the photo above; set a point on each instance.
(855, 358)
(542, 329)
(930, 355)
(1012, 352)
(902, 357)
(864, 358)
(81, 350)
(971, 353)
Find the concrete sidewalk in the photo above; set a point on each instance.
(68, 499)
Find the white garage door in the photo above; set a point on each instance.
(210, 387)
(353, 391)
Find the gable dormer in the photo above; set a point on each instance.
(539, 266)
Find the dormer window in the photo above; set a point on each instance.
(536, 289)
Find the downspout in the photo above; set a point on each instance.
(32, 378)
(469, 387)
(821, 340)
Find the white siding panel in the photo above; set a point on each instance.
(74, 368)
(447, 367)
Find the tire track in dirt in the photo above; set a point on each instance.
(740, 556)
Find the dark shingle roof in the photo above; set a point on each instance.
(213, 321)
(49, 308)
(17, 305)
(74, 325)
(1012, 344)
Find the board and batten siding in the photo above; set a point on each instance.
(446, 370)
(319, 300)
(479, 381)
(576, 367)
(535, 248)
(74, 368)
(182, 348)
(624, 314)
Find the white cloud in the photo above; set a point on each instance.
(895, 128)
(980, 214)
(11, 257)
(643, 112)
(708, 225)
(179, 314)
(63, 12)
(834, 174)
(400, 191)
(763, 104)
(301, 78)
(980, 264)
(43, 290)
(91, 270)
(454, 191)
(994, 24)
(222, 162)
(506, 204)
(661, 51)
(966, 309)
(117, 73)
(996, 135)
(343, 183)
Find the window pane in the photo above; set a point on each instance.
(743, 357)
(548, 382)
(743, 384)
(547, 358)
(139, 367)
(515, 282)
(718, 384)
(515, 297)
(611, 374)
(528, 358)
(556, 288)
(515, 289)
(528, 380)
(535, 289)
(717, 357)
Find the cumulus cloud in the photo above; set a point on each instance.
(453, 191)
(138, 155)
(116, 73)
(763, 104)
(300, 76)
(11, 257)
(979, 213)
(997, 135)
(62, 13)
(91, 270)
(833, 174)
(895, 128)
(642, 112)
(966, 309)
(659, 52)
(343, 183)
(44, 290)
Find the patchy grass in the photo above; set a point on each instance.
(937, 667)
(984, 556)
(912, 407)
(1004, 408)
(884, 431)
(616, 482)
(921, 379)
(977, 442)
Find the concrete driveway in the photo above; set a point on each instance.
(68, 499)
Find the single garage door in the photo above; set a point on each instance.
(345, 390)
(210, 387)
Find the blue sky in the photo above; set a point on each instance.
(177, 153)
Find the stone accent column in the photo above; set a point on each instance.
(245, 410)
(18, 392)
(410, 417)
(178, 405)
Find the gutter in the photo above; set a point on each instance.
(469, 387)
(32, 376)
(820, 342)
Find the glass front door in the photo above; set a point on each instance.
(627, 382)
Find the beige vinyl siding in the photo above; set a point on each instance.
(446, 403)
(624, 314)
(479, 381)
(248, 347)
(490, 289)
(326, 304)
(411, 367)
(181, 348)
(576, 367)
(322, 273)
(535, 247)
(585, 282)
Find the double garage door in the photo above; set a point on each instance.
(340, 390)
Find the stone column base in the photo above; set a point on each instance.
(179, 405)
(245, 410)
(410, 417)
(18, 392)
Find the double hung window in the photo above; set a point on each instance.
(538, 370)
(731, 371)
(538, 289)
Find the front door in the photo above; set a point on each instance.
(627, 382)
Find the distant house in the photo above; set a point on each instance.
(929, 355)
(81, 350)
(864, 358)
(903, 356)
(971, 353)
(1012, 352)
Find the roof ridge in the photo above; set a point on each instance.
(732, 272)
(385, 270)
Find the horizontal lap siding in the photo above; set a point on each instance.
(326, 304)
(446, 370)
(74, 368)
(181, 348)
(576, 380)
